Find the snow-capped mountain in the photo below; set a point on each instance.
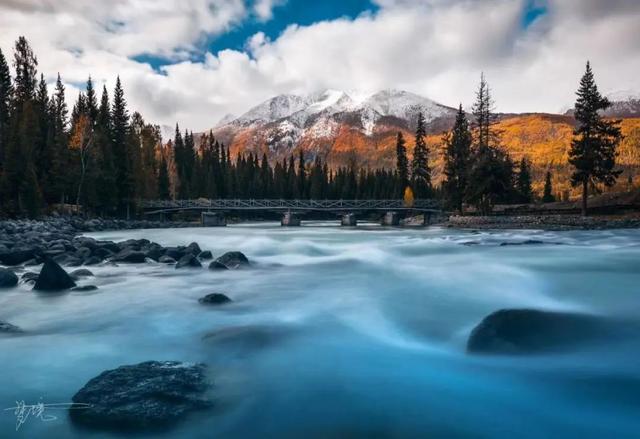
(319, 121)
(624, 103)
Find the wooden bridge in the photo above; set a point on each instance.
(213, 209)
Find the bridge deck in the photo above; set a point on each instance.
(289, 205)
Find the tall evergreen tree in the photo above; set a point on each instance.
(121, 139)
(402, 164)
(523, 184)
(593, 148)
(302, 176)
(163, 180)
(420, 172)
(6, 95)
(457, 160)
(547, 196)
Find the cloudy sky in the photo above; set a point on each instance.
(194, 61)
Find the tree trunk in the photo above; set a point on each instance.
(584, 198)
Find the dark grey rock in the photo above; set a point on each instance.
(17, 256)
(214, 299)
(215, 265)
(80, 273)
(8, 278)
(205, 255)
(233, 260)
(149, 395)
(194, 249)
(517, 331)
(175, 252)
(527, 242)
(93, 260)
(52, 277)
(167, 260)
(29, 276)
(85, 288)
(188, 260)
(8, 328)
(130, 256)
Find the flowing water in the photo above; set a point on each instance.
(341, 332)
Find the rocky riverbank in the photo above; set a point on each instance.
(546, 222)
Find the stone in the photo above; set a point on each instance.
(80, 273)
(93, 260)
(233, 260)
(84, 288)
(205, 255)
(8, 279)
(188, 260)
(167, 260)
(152, 395)
(130, 256)
(17, 256)
(214, 299)
(8, 328)
(29, 276)
(215, 265)
(52, 277)
(194, 249)
(520, 331)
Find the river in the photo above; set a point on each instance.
(340, 332)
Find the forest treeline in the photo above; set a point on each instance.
(103, 159)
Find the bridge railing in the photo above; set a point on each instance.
(280, 204)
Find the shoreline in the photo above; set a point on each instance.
(543, 222)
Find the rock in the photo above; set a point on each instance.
(8, 328)
(84, 288)
(130, 256)
(8, 278)
(516, 331)
(233, 260)
(248, 337)
(93, 260)
(188, 260)
(29, 276)
(83, 253)
(17, 256)
(175, 252)
(155, 252)
(527, 242)
(205, 255)
(215, 265)
(149, 395)
(167, 260)
(52, 277)
(80, 273)
(214, 299)
(194, 249)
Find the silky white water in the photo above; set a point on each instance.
(340, 332)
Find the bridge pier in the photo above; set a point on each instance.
(349, 220)
(213, 219)
(390, 219)
(290, 220)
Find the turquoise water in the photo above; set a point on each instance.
(344, 332)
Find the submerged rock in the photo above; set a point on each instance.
(149, 395)
(8, 278)
(205, 255)
(188, 260)
(527, 242)
(17, 256)
(80, 273)
(52, 277)
(8, 328)
(214, 299)
(232, 260)
(131, 256)
(215, 265)
(517, 331)
(84, 288)
(166, 260)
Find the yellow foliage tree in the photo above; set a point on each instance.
(408, 197)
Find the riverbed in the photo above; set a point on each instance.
(343, 332)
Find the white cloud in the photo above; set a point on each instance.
(264, 8)
(436, 48)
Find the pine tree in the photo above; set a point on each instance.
(91, 102)
(302, 176)
(19, 180)
(57, 178)
(547, 196)
(163, 180)
(420, 172)
(457, 160)
(523, 184)
(402, 163)
(6, 94)
(121, 144)
(593, 148)
(106, 188)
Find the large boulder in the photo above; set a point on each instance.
(517, 331)
(130, 255)
(194, 249)
(205, 255)
(149, 395)
(8, 278)
(17, 256)
(188, 260)
(214, 299)
(52, 277)
(80, 273)
(232, 260)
